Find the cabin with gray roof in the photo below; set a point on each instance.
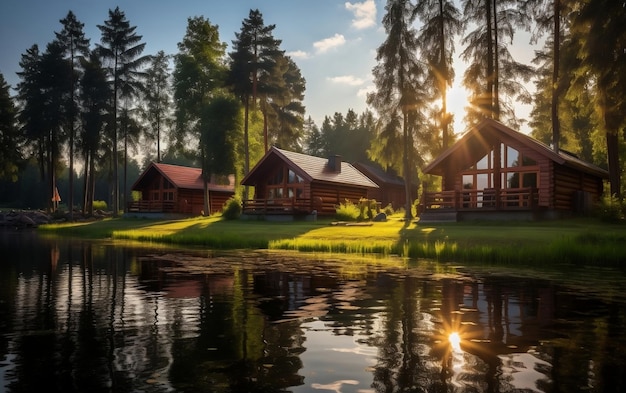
(296, 184)
(495, 172)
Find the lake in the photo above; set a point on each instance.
(80, 316)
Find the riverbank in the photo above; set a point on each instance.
(577, 241)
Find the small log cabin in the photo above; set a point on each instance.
(495, 172)
(390, 189)
(175, 189)
(296, 184)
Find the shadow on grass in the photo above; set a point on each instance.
(217, 233)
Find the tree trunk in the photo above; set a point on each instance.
(556, 127)
(246, 164)
(406, 163)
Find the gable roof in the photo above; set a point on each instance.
(180, 176)
(475, 133)
(378, 174)
(310, 168)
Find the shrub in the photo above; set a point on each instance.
(232, 208)
(368, 208)
(388, 210)
(611, 209)
(347, 211)
(99, 205)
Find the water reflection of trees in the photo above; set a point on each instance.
(100, 318)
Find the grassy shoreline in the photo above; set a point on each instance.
(576, 241)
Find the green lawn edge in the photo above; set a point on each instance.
(578, 241)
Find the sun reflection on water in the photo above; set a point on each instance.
(455, 341)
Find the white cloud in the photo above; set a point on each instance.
(350, 80)
(329, 43)
(364, 91)
(364, 14)
(298, 54)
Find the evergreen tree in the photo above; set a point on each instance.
(121, 49)
(199, 74)
(254, 54)
(493, 76)
(10, 136)
(94, 97)
(157, 99)
(599, 25)
(441, 25)
(55, 74)
(31, 103)
(76, 46)
(285, 108)
(398, 78)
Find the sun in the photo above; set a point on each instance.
(455, 341)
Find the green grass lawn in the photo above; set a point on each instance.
(581, 241)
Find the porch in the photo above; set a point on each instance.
(288, 206)
(478, 204)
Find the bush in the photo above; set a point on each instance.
(347, 211)
(368, 208)
(388, 210)
(611, 209)
(99, 205)
(232, 208)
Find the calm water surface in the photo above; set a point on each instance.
(81, 316)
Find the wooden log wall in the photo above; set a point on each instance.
(567, 182)
(327, 196)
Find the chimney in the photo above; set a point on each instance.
(334, 163)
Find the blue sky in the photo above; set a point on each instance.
(332, 41)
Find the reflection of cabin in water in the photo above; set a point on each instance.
(290, 184)
(494, 172)
(174, 189)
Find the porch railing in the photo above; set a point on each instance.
(151, 206)
(487, 199)
(288, 206)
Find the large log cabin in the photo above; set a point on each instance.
(495, 172)
(295, 184)
(178, 190)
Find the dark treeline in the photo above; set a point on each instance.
(102, 111)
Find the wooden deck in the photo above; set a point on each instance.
(152, 206)
(288, 206)
(477, 200)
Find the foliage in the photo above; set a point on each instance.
(10, 137)
(368, 208)
(100, 205)
(232, 208)
(611, 209)
(347, 211)
(121, 48)
(399, 96)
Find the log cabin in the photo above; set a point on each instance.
(495, 172)
(178, 190)
(390, 189)
(293, 184)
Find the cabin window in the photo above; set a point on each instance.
(517, 171)
(285, 183)
(519, 179)
(511, 157)
(485, 162)
(468, 182)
